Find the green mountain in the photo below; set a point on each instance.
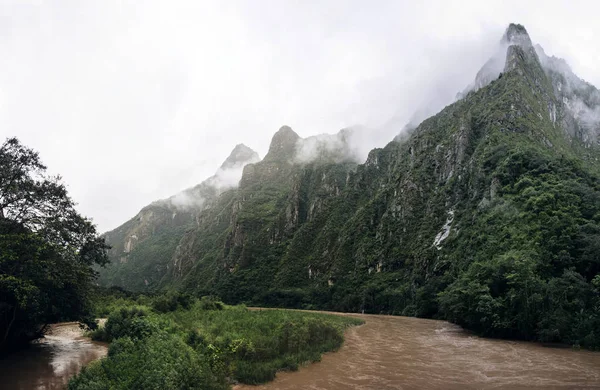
(141, 248)
(486, 214)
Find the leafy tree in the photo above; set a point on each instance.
(47, 249)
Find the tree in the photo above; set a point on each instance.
(47, 249)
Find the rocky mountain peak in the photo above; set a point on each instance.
(514, 46)
(516, 34)
(240, 155)
(283, 144)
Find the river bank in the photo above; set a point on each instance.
(50, 362)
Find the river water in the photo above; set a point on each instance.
(384, 353)
(51, 361)
(410, 353)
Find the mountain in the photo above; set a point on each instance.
(486, 214)
(143, 246)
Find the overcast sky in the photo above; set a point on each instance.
(133, 101)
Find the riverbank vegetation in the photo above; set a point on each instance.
(175, 341)
(47, 250)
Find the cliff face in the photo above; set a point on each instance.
(251, 227)
(227, 223)
(486, 214)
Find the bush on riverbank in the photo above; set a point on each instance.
(161, 361)
(254, 345)
(132, 322)
(207, 343)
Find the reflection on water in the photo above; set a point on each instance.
(50, 362)
(410, 353)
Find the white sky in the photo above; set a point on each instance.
(133, 101)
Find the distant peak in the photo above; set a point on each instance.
(283, 144)
(285, 131)
(240, 155)
(515, 50)
(516, 34)
(241, 148)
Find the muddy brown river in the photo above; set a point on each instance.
(409, 353)
(384, 353)
(50, 362)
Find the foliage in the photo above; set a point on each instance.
(171, 302)
(248, 346)
(162, 362)
(47, 249)
(210, 303)
(132, 322)
(256, 344)
(107, 300)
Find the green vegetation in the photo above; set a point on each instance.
(178, 342)
(535, 271)
(47, 250)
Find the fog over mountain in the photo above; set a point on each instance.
(135, 103)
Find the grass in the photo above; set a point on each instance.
(206, 342)
(260, 343)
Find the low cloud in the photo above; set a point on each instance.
(339, 147)
(148, 99)
(227, 176)
(186, 200)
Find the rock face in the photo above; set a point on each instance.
(484, 214)
(283, 145)
(240, 156)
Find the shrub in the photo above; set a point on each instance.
(132, 322)
(210, 303)
(162, 362)
(172, 302)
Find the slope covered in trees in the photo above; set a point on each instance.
(486, 214)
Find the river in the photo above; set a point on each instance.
(51, 361)
(410, 353)
(384, 353)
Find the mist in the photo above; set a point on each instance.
(228, 176)
(133, 102)
(581, 99)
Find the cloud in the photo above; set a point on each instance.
(186, 200)
(134, 102)
(339, 147)
(228, 176)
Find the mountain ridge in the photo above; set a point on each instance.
(483, 214)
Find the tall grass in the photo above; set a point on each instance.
(220, 344)
(256, 344)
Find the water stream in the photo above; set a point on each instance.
(51, 361)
